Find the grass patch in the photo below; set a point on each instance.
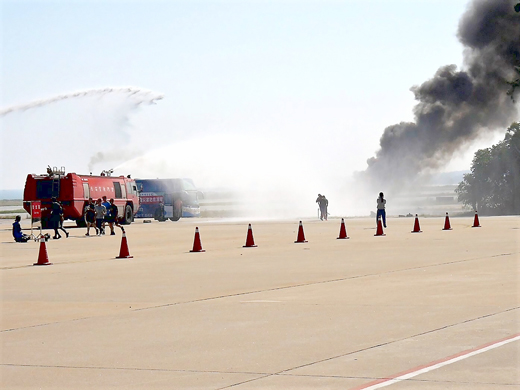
(17, 211)
(11, 202)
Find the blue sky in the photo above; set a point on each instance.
(319, 80)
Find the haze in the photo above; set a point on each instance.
(278, 100)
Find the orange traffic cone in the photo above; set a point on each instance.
(250, 242)
(342, 230)
(301, 235)
(379, 231)
(447, 225)
(476, 222)
(43, 258)
(416, 227)
(197, 245)
(123, 252)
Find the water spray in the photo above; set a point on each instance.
(138, 94)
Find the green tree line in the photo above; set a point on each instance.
(493, 185)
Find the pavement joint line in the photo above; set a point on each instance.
(284, 372)
(133, 369)
(111, 258)
(267, 290)
(315, 283)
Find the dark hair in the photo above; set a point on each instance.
(18, 218)
(381, 195)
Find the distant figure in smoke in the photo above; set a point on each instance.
(381, 212)
(56, 219)
(323, 203)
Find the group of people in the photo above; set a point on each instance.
(103, 212)
(55, 222)
(97, 215)
(100, 213)
(323, 203)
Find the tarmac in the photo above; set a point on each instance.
(430, 311)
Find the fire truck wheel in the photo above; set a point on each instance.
(80, 222)
(128, 215)
(177, 211)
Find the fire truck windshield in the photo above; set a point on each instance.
(46, 189)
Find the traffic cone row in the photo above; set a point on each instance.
(250, 242)
(124, 253)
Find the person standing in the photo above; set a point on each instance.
(90, 202)
(90, 218)
(112, 218)
(106, 203)
(381, 212)
(323, 203)
(56, 219)
(101, 211)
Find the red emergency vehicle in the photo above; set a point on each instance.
(73, 190)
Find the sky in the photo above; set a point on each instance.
(289, 94)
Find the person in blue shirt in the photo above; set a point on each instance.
(381, 212)
(106, 218)
(17, 231)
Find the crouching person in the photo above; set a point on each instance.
(17, 231)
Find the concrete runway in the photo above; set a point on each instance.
(433, 310)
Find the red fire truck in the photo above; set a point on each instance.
(73, 190)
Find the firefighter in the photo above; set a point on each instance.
(56, 219)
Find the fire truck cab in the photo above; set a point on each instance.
(73, 191)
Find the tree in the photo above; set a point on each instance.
(493, 185)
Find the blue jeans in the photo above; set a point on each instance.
(381, 213)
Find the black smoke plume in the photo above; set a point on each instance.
(456, 106)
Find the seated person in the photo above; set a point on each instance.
(17, 231)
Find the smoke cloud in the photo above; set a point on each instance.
(455, 106)
(138, 95)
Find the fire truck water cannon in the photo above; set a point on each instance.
(107, 173)
(55, 171)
